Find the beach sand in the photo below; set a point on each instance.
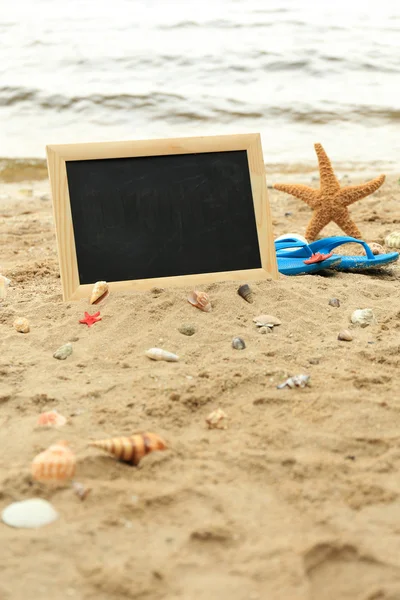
(298, 499)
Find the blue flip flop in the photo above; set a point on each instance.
(352, 263)
(291, 254)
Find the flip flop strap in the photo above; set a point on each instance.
(328, 244)
(299, 249)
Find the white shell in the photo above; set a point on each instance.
(363, 317)
(393, 240)
(296, 236)
(29, 513)
(4, 283)
(159, 354)
(216, 418)
(99, 289)
(296, 381)
(266, 321)
(22, 325)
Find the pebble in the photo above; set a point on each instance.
(363, 317)
(238, 343)
(334, 302)
(187, 329)
(31, 513)
(345, 336)
(22, 325)
(63, 352)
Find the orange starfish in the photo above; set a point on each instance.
(330, 202)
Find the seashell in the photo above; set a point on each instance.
(54, 465)
(159, 354)
(376, 248)
(4, 283)
(334, 302)
(187, 329)
(200, 300)
(51, 419)
(393, 240)
(296, 381)
(22, 325)
(295, 236)
(99, 292)
(216, 418)
(131, 449)
(31, 513)
(345, 336)
(81, 490)
(246, 293)
(63, 352)
(363, 317)
(266, 321)
(238, 343)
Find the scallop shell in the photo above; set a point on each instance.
(200, 300)
(22, 325)
(131, 449)
(4, 283)
(245, 292)
(51, 419)
(266, 321)
(54, 465)
(216, 418)
(99, 292)
(393, 240)
(159, 354)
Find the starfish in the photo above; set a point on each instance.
(90, 319)
(330, 202)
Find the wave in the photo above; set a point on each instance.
(177, 107)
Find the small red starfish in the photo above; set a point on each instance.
(90, 319)
(316, 258)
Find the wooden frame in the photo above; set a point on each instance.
(58, 155)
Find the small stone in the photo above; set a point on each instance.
(187, 329)
(363, 317)
(345, 336)
(296, 381)
(334, 302)
(63, 352)
(238, 343)
(314, 361)
(29, 513)
(22, 325)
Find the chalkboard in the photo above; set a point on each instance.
(144, 216)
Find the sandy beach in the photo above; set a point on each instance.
(298, 499)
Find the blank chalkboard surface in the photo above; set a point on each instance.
(148, 212)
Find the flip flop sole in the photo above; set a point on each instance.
(296, 266)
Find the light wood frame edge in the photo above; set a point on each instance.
(58, 155)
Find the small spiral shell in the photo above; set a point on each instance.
(200, 300)
(131, 449)
(54, 465)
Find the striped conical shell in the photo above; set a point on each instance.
(246, 293)
(54, 465)
(99, 292)
(131, 449)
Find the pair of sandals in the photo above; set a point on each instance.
(296, 257)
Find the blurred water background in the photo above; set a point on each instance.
(297, 72)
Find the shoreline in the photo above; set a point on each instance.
(18, 170)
